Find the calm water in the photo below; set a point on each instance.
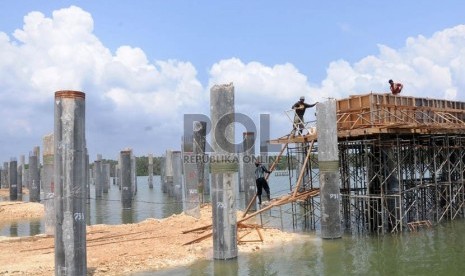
(436, 251)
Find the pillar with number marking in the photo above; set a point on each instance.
(328, 160)
(34, 179)
(70, 194)
(223, 168)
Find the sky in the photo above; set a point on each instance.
(145, 64)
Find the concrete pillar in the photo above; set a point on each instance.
(162, 174)
(105, 177)
(200, 133)
(240, 171)
(133, 174)
(34, 179)
(169, 173)
(191, 200)
(6, 178)
(88, 175)
(150, 178)
(177, 175)
(36, 152)
(224, 182)
(98, 178)
(206, 175)
(126, 178)
(70, 201)
(48, 183)
(22, 179)
(20, 182)
(13, 177)
(118, 173)
(249, 169)
(328, 160)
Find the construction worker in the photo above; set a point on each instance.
(261, 182)
(396, 87)
(300, 108)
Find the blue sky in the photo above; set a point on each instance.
(143, 64)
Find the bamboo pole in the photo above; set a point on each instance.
(301, 175)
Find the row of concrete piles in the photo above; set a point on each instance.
(63, 178)
(14, 176)
(71, 175)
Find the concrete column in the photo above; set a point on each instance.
(36, 152)
(22, 161)
(200, 133)
(105, 177)
(328, 160)
(206, 174)
(224, 182)
(240, 171)
(162, 174)
(177, 175)
(88, 175)
(133, 174)
(20, 182)
(150, 178)
(118, 173)
(13, 177)
(126, 178)
(21, 171)
(34, 179)
(48, 183)
(191, 201)
(249, 169)
(70, 201)
(6, 178)
(169, 173)
(98, 178)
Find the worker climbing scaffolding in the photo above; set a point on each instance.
(261, 182)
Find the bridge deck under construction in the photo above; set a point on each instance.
(401, 161)
(370, 114)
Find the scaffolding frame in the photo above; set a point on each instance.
(390, 181)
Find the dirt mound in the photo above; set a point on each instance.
(124, 249)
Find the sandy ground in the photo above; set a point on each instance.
(124, 249)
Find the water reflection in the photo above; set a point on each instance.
(226, 267)
(34, 227)
(127, 215)
(437, 251)
(13, 229)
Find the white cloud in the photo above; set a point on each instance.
(135, 102)
(126, 94)
(428, 67)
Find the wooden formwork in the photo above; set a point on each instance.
(367, 114)
(389, 111)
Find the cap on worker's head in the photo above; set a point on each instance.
(390, 81)
(302, 98)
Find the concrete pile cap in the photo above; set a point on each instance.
(70, 94)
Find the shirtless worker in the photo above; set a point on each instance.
(395, 87)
